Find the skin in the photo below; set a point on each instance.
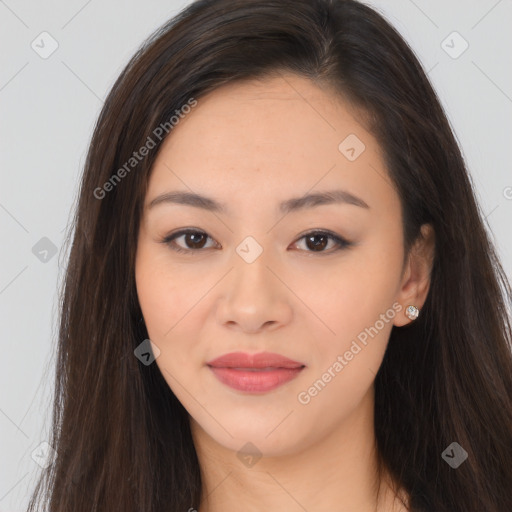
(252, 145)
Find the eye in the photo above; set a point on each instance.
(318, 240)
(195, 241)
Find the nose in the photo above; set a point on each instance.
(255, 296)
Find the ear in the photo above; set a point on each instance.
(415, 282)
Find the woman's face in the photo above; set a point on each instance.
(256, 276)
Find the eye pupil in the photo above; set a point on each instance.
(320, 245)
(195, 244)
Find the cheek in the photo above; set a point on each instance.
(352, 295)
(170, 300)
(156, 295)
(357, 308)
(160, 293)
(344, 363)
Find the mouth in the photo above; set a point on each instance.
(269, 369)
(258, 373)
(255, 379)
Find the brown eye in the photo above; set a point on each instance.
(193, 240)
(317, 241)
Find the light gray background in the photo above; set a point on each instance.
(48, 108)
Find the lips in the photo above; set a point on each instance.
(254, 372)
(258, 361)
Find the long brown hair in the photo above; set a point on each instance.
(122, 439)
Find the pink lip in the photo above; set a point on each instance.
(261, 360)
(257, 373)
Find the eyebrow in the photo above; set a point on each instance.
(290, 205)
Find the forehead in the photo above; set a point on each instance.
(273, 114)
(281, 133)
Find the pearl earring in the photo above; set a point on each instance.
(412, 312)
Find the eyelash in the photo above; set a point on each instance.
(342, 243)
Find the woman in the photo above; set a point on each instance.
(273, 196)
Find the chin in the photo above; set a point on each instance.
(264, 438)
